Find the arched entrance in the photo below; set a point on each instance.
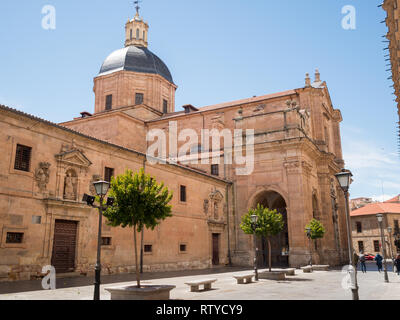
(279, 243)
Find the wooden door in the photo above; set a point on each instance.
(63, 258)
(215, 249)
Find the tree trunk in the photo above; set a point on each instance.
(269, 255)
(136, 258)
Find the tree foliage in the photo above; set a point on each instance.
(317, 229)
(270, 222)
(139, 201)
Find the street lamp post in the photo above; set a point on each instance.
(344, 179)
(101, 188)
(380, 220)
(389, 230)
(254, 219)
(309, 243)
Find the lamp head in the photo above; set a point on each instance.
(88, 199)
(379, 216)
(344, 179)
(101, 187)
(254, 218)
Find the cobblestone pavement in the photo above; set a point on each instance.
(319, 285)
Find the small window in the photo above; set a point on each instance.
(109, 102)
(144, 33)
(106, 241)
(23, 158)
(36, 219)
(165, 106)
(360, 246)
(108, 173)
(183, 194)
(139, 98)
(396, 226)
(359, 227)
(14, 237)
(215, 169)
(182, 247)
(376, 246)
(137, 34)
(131, 35)
(148, 248)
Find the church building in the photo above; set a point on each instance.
(46, 168)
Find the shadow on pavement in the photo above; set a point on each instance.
(81, 281)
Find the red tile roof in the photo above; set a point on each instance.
(378, 207)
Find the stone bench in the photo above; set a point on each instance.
(241, 278)
(320, 267)
(307, 269)
(194, 285)
(273, 275)
(287, 271)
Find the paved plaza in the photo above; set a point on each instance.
(319, 285)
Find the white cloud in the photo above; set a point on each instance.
(376, 171)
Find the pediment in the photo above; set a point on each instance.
(74, 158)
(216, 196)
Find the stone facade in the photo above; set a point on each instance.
(297, 152)
(392, 7)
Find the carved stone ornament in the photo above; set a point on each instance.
(206, 206)
(42, 175)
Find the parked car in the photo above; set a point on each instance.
(369, 257)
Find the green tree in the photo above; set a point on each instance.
(317, 231)
(270, 223)
(139, 202)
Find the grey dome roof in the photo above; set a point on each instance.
(137, 59)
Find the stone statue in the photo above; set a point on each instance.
(69, 187)
(206, 205)
(42, 175)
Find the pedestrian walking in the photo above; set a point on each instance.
(378, 258)
(362, 262)
(397, 264)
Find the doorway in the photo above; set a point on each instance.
(64, 246)
(215, 249)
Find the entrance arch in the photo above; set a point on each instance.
(279, 243)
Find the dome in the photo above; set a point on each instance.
(137, 59)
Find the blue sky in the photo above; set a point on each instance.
(217, 51)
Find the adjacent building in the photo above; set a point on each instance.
(46, 168)
(366, 232)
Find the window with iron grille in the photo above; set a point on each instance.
(182, 247)
(139, 98)
(376, 246)
(109, 102)
(106, 241)
(14, 237)
(360, 246)
(23, 158)
(148, 248)
(215, 169)
(359, 227)
(183, 194)
(165, 106)
(108, 173)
